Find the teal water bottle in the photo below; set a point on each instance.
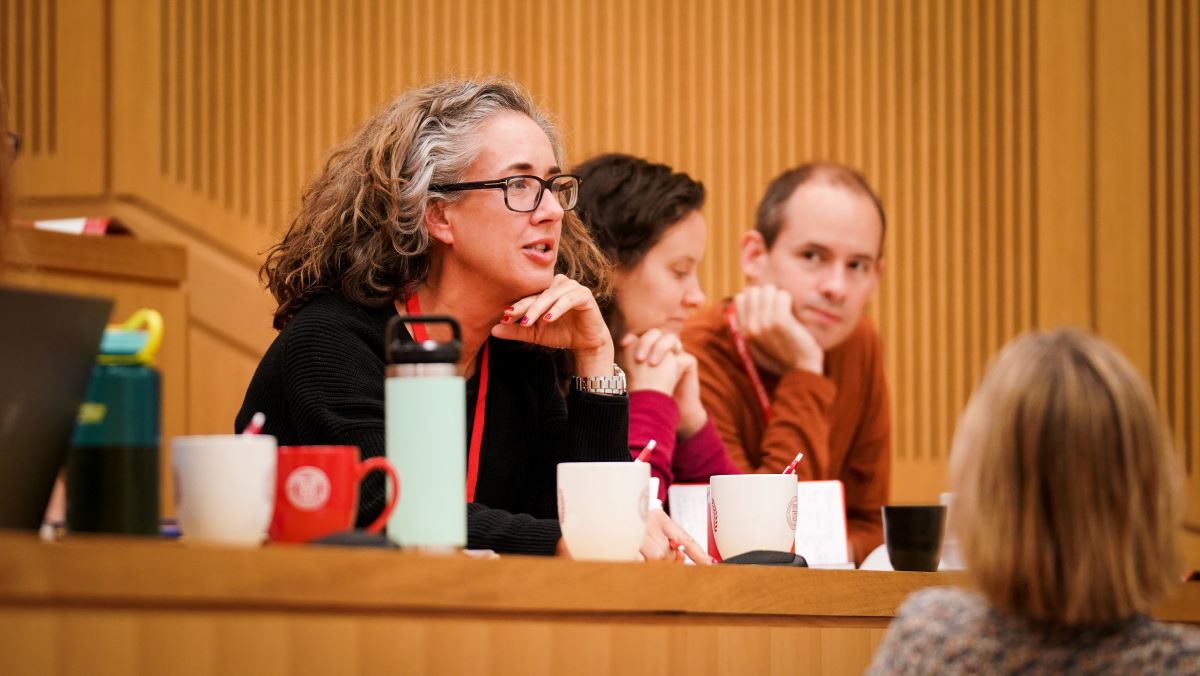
(426, 421)
(113, 466)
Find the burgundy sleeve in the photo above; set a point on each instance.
(702, 455)
(654, 415)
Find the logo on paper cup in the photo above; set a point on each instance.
(307, 488)
(562, 510)
(791, 513)
(644, 502)
(712, 509)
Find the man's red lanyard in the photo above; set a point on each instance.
(420, 335)
(747, 362)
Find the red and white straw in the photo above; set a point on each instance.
(646, 451)
(791, 468)
(256, 424)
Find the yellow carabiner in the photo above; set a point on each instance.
(148, 321)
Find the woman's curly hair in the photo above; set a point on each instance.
(360, 229)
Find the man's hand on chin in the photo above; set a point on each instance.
(778, 341)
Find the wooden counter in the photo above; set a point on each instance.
(109, 605)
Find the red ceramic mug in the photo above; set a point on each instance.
(316, 491)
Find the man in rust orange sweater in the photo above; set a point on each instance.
(791, 363)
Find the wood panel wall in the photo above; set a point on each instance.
(1039, 160)
(1174, 187)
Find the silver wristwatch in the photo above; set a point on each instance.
(612, 385)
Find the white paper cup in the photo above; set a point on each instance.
(747, 512)
(602, 508)
(224, 487)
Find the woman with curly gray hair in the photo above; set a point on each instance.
(450, 201)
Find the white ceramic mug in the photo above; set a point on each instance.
(747, 512)
(602, 508)
(224, 487)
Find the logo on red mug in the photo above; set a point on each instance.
(307, 488)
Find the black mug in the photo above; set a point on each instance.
(913, 534)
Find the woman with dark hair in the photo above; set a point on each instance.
(451, 201)
(646, 219)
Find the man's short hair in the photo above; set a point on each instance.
(769, 218)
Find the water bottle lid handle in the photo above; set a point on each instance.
(402, 349)
(136, 341)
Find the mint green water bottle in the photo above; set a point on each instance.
(426, 420)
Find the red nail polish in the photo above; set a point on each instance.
(510, 309)
(524, 320)
(546, 316)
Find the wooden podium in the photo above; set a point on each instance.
(127, 606)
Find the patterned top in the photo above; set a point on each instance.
(954, 631)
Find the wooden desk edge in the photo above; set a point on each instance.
(149, 573)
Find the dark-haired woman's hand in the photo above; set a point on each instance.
(563, 316)
(656, 361)
(692, 414)
(649, 361)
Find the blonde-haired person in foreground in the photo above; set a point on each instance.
(1066, 508)
(452, 200)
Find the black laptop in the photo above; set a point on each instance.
(48, 344)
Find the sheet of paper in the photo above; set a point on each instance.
(821, 522)
(689, 508)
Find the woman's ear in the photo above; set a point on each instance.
(437, 222)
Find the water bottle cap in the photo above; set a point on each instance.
(402, 349)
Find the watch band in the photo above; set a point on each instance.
(610, 385)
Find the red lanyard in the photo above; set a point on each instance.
(747, 362)
(420, 335)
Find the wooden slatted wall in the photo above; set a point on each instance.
(1175, 225)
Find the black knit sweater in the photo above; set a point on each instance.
(321, 382)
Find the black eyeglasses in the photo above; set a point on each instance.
(14, 144)
(523, 193)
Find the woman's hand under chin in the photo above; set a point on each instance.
(692, 414)
(563, 316)
(649, 361)
(656, 361)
